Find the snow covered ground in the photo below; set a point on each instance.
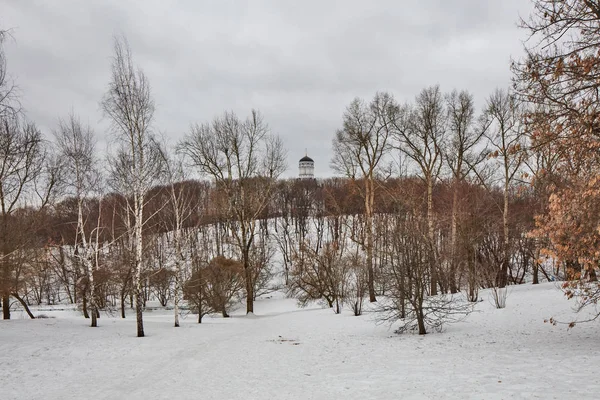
(290, 353)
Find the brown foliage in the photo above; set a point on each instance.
(216, 286)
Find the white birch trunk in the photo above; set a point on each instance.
(138, 225)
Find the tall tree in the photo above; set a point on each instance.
(421, 131)
(244, 160)
(76, 147)
(138, 163)
(183, 205)
(462, 154)
(542, 164)
(507, 140)
(360, 148)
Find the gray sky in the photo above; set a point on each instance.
(299, 62)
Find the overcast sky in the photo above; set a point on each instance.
(299, 62)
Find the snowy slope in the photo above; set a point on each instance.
(290, 353)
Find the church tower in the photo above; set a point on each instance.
(306, 168)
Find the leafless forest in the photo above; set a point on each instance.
(433, 199)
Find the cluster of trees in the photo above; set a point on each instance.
(433, 198)
(453, 214)
(139, 230)
(509, 194)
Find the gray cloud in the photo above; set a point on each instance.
(300, 63)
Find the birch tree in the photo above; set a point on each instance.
(244, 160)
(360, 148)
(138, 163)
(507, 140)
(76, 147)
(183, 205)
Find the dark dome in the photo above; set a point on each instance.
(306, 158)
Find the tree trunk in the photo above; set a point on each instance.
(472, 280)
(24, 304)
(421, 320)
(5, 306)
(541, 268)
(502, 274)
(93, 306)
(249, 292)
(6, 288)
(139, 300)
(65, 274)
(123, 297)
(249, 284)
(329, 302)
(176, 303)
(86, 259)
(369, 199)
(179, 257)
(472, 295)
(403, 296)
(139, 306)
(200, 297)
(454, 241)
(84, 301)
(94, 317)
(431, 235)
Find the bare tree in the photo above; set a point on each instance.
(420, 131)
(22, 164)
(462, 155)
(138, 164)
(244, 161)
(194, 287)
(321, 274)
(193, 293)
(77, 152)
(261, 255)
(408, 273)
(284, 225)
(9, 104)
(360, 148)
(183, 206)
(507, 140)
(357, 279)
